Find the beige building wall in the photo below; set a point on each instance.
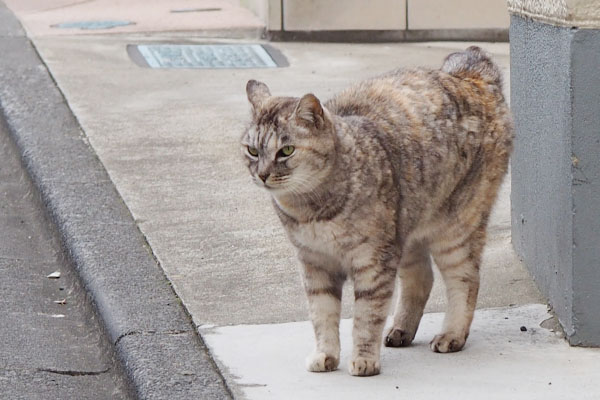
(384, 15)
(457, 14)
(269, 11)
(302, 15)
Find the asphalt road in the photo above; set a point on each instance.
(51, 344)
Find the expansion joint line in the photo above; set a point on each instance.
(167, 332)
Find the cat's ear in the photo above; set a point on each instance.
(309, 111)
(257, 93)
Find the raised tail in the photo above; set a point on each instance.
(473, 63)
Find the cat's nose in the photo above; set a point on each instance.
(264, 177)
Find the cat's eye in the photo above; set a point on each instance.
(252, 151)
(286, 151)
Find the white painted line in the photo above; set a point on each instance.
(499, 362)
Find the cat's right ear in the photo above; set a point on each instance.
(309, 111)
(257, 93)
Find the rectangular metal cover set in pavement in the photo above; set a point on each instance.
(202, 56)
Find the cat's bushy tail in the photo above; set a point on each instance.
(473, 63)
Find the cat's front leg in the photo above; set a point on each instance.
(324, 292)
(373, 290)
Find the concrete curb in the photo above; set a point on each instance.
(153, 336)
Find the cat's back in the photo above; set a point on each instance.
(419, 98)
(459, 106)
(397, 94)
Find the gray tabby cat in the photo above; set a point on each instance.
(371, 183)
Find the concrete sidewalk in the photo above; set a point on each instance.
(168, 140)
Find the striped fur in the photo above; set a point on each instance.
(386, 174)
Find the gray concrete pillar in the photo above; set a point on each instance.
(555, 99)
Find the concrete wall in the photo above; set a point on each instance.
(541, 162)
(555, 98)
(585, 67)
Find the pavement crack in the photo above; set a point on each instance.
(126, 334)
(72, 372)
(177, 332)
(150, 332)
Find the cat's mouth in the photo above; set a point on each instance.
(265, 185)
(270, 184)
(272, 187)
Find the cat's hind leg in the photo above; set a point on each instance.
(324, 293)
(458, 260)
(416, 280)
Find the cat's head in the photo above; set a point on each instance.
(289, 146)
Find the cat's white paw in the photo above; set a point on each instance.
(447, 342)
(321, 362)
(362, 366)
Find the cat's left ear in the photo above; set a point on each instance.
(309, 111)
(257, 93)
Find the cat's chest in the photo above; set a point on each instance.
(328, 238)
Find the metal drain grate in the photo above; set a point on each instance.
(202, 56)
